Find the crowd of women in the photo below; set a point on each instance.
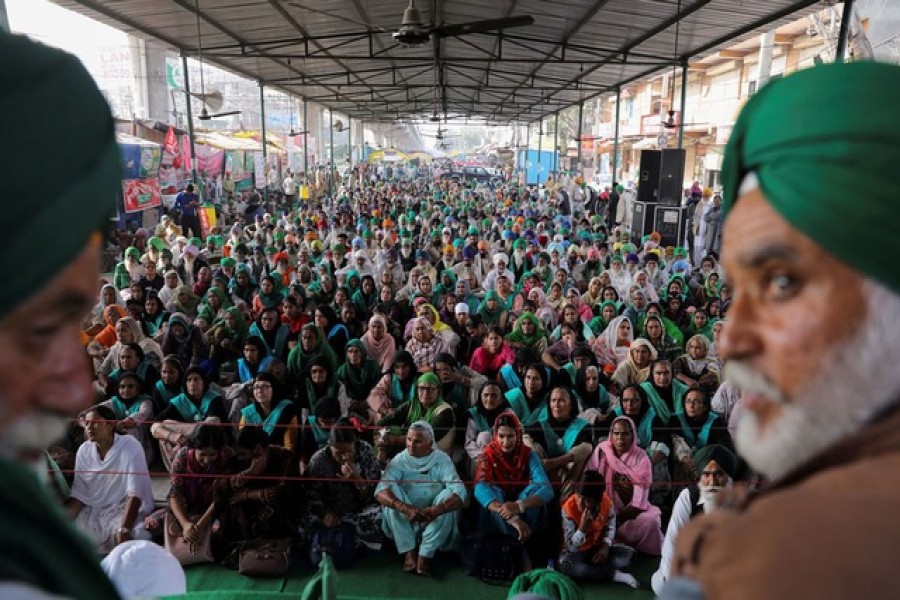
(413, 361)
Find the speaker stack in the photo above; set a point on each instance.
(658, 207)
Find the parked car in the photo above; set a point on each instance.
(474, 174)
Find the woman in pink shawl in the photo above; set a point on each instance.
(379, 343)
(573, 298)
(629, 473)
(545, 311)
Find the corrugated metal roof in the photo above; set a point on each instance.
(342, 54)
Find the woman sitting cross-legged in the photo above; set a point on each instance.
(629, 473)
(111, 492)
(510, 483)
(589, 528)
(341, 488)
(420, 492)
(563, 440)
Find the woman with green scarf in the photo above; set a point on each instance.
(312, 343)
(428, 406)
(609, 310)
(320, 382)
(492, 311)
(215, 301)
(396, 387)
(528, 332)
(359, 373)
(366, 297)
(226, 336)
(446, 283)
(700, 325)
(242, 287)
(185, 302)
(267, 296)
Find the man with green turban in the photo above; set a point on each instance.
(811, 218)
(52, 226)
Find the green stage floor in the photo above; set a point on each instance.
(378, 576)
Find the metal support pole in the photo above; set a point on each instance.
(331, 154)
(556, 143)
(540, 164)
(684, 73)
(844, 31)
(350, 142)
(580, 119)
(190, 116)
(527, 151)
(615, 160)
(262, 128)
(305, 142)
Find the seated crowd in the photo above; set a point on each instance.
(411, 366)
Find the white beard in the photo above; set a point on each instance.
(25, 439)
(858, 378)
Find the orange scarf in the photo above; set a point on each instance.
(594, 535)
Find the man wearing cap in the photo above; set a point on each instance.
(44, 381)
(812, 342)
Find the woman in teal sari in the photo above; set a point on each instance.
(359, 373)
(276, 416)
(274, 334)
(420, 492)
(529, 401)
(395, 388)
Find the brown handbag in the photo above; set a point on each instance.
(265, 558)
(180, 549)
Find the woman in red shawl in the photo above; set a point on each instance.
(628, 473)
(510, 483)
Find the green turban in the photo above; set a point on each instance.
(724, 457)
(824, 144)
(52, 218)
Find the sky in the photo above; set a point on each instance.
(57, 26)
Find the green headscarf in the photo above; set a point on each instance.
(489, 316)
(417, 411)
(359, 381)
(825, 142)
(519, 337)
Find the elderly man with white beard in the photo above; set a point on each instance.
(717, 466)
(811, 186)
(53, 227)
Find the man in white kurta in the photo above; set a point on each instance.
(104, 486)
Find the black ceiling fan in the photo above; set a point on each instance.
(414, 32)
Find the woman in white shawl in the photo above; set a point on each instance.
(635, 369)
(611, 347)
(171, 283)
(128, 331)
(545, 311)
(95, 321)
(695, 368)
(420, 492)
(111, 493)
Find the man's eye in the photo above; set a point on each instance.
(782, 285)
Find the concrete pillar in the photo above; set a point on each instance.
(764, 66)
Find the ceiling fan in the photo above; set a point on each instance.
(210, 100)
(414, 32)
